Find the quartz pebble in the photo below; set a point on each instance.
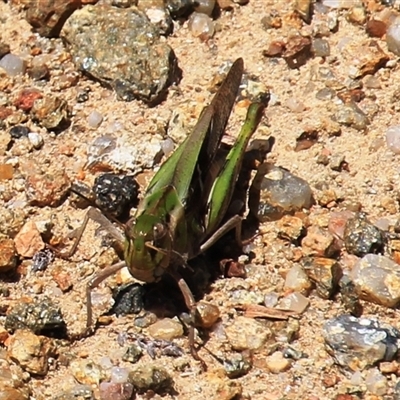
(36, 139)
(277, 363)
(116, 391)
(13, 65)
(377, 279)
(393, 138)
(275, 191)
(357, 343)
(297, 280)
(294, 302)
(201, 26)
(95, 119)
(204, 6)
(166, 329)
(376, 382)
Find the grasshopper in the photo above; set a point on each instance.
(183, 208)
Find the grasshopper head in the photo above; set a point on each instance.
(147, 248)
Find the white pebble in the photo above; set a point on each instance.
(95, 119)
(36, 140)
(201, 25)
(167, 146)
(119, 375)
(13, 65)
(393, 138)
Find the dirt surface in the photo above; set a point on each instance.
(372, 180)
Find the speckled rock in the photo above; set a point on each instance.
(247, 334)
(357, 343)
(150, 377)
(124, 52)
(377, 279)
(31, 352)
(51, 112)
(87, 372)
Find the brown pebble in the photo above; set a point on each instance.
(6, 172)
(28, 240)
(166, 329)
(8, 255)
(276, 363)
(375, 28)
(207, 314)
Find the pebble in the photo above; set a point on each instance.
(150, 377)
(51, 112)
(290, 228)
(30, 351)
(275, 191)
(351, 115)
(206, 314)
(116, 391)
(36, 139)
(95, 119)
(46, 189)
(393, 36)
(87, 372)
(28, 240)
(296, 302)
(277, 363)
(320, 242)
(297, 280)
(362, 237)
(8, 255)
(166, 329)
(376, 382)
(145, 65)
(325, 273)
(19, 131)
(321, 48)
(204, 6)
(393, 138)
(236, 365)
(377, 279)
(201, 26)
(357, 343)
(247, 334)
(132, 354)
(13, 65)
(41, 317)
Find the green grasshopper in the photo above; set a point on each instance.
(182, 211)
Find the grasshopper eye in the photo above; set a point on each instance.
(159, 231)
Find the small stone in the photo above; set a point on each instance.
(87, 372)
(276, 363)
(36, 139)
(95, 119)
(6, 172)
(31, 352)
(47, 189)
(205, 6)
(393, 138)
(116, 391)
(150, 377)
(19, 131)
(236, 365)
(377, 279)
(356, 343)
(297, 280)
(39, 72)
(321, 48)
(290, 228)
(319, 242)
(51, 112)
(40, 316)
(8, 255)
(247, 334)
(357, 15)
(296, 302)
(13, 65)
(166, 329)
(375, 28)
(393, 36)
(132, 354)
(201, 26)
(275, 191)
(376, 383)
(361, 237)
(351, 115)
(206, 314)
(29, 240)
(325, 273)
(26, 98)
